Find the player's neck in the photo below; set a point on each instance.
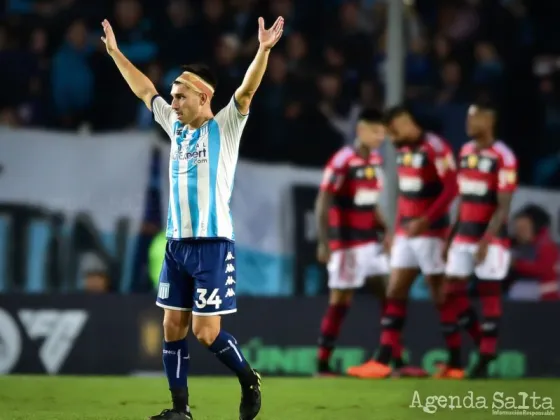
(363, 151)
(417, 134)
(200, 120)
(482, 142)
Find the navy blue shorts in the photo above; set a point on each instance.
(198, 276)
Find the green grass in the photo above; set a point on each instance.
(108, 398)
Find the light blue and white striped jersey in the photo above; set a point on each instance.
(201, 171)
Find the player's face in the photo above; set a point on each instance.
(478, 122)
(400, 129)
(186, 103)
(371, 134)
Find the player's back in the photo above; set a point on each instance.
(419, 168)
(356, 184)
(483, 173)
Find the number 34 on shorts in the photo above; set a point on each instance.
(203, 299)
(198, 277)
(215, 301)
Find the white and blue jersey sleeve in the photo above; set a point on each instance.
(201, 172)
(163, 114)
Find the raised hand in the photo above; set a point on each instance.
(109, 39)
(269, 37)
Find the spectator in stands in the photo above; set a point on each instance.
(536, 255)
(227, 68)
(355, 41)
(488, 71)
(451, 88)
(154, 71)
(299, 63)
(441, 50)
(72, 77)
(95, 274)
(243, 20)
(214, 23)
(115, 108)
(419, 70)
(97, 282)
(180, 25)
(135, 32)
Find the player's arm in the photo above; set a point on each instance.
(500, 214)
(333, 178)
(377, 213)
(139, 83)
(323, 203)
(380, 218)
(447, 173)
(507, 183)
(455, 226)
(252, 80)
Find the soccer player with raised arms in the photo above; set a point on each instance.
(197, 281)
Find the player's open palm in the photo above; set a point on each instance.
(109, 39)
(269, 37)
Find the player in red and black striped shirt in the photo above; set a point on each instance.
(349, 226)
(487, 180)
(427, 187)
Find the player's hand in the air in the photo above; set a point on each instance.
(323, 253)
(269, 37)
(109, 39)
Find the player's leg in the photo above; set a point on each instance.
(490, 274)
(214, 296)
(377, 282)
(429, 252)
(339, 303)
(342, 271)
(404, 270)
(174, 294)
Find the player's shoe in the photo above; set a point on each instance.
(410, 372)
(250, 399)
(173, 415)
(325, 371)
(479, 371)
(371, 369)
(446, 372)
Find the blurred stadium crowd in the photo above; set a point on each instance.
(330, 64)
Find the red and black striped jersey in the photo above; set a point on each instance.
(483, 174)
(356, 184)
(424, 169)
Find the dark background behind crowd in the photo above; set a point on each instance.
(331, 62)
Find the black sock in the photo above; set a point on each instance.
(398, 363)
(180, 397)
(385, 354)
(454, 358)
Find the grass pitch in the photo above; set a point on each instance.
(108, 398)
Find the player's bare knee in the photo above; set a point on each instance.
(378, 286)
(340, 297)
(206, 329)
(175, 324)
(397, 290)
(400, 282)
